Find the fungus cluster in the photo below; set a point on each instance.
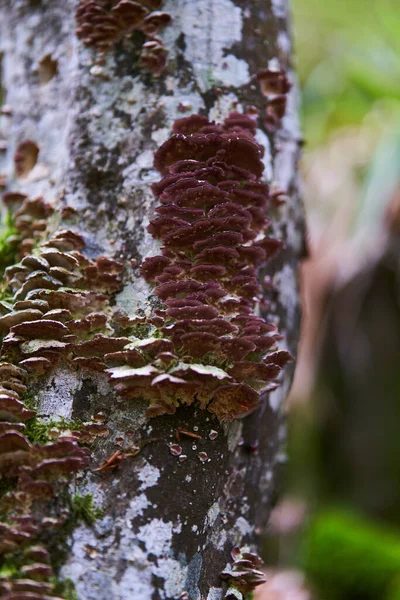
(244, 574)
(59, 306)
(205, 342)
(103, 23)
(34, 473)
(29, 218)
(274, 86)
(57, 309)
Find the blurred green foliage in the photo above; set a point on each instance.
(349, 557)
(348, 62)
(348, 59)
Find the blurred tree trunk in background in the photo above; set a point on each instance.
(358, 389)
(350, 544)
(168, 526)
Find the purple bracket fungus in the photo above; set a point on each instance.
(206, 344)
(103, 23)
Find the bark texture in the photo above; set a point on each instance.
(168, 526)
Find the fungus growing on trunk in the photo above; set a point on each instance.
(206, 344)
(58, 309)
(103, 23)
(244, 574)
(275, 86)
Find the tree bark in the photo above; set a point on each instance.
(168, 525)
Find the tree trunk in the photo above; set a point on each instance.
(173, 504)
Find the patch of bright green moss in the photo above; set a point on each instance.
(39, 431)
(84, 509)
(65, 588)
(348, 557)
(8, 243)
(9, 569)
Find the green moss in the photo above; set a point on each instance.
(9, 569)
(142, 331)
(30, 401)
(214, 360)
(39, 431)
(8, 244)
(346, 557)
(211, 77)
(5, 292)
(83, 509)
(65, 589)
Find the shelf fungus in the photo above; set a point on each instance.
(55, 308)
(103, 23)
(205, 342)
(275, 86)
(35, 472)
(243, 576)
(59, 306)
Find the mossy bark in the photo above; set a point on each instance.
(168, 525)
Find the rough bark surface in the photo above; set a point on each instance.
(168, 526)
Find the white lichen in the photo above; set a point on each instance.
(137, 507)
(279, 8)
(174, 575)
(243, 527)
(234, 433)
(215, 593)
(211, 28)
(284, 282)
(212, 515)
(223, 106)
(149, 476)
(56, 397)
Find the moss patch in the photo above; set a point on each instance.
(84, 509)
(66, 589)
(42, 432)
(9, 241)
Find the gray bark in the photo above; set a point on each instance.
(168, 526)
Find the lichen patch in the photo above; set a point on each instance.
(211, 29)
